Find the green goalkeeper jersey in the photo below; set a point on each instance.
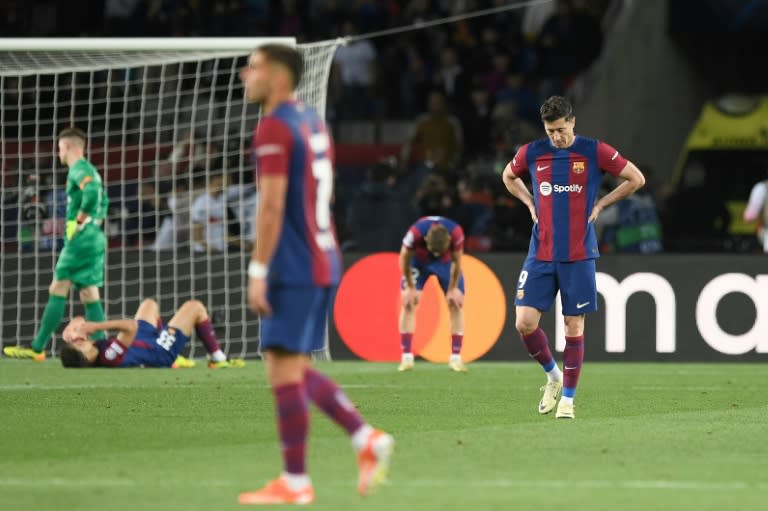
(85, 192)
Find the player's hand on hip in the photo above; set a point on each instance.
(455, 298)
(534, 217)
(596, 209)
(257, 296)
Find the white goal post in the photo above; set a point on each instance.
(165, 118)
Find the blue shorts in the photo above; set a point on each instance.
(165, 342)
(540, 281)
(299, 318)
(441, 270)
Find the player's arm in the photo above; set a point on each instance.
(406, 257)
(126, 329)
(269, 217)
(756, 200)
(455, 269)
(90, 202)
(632, 180)
(517, 188)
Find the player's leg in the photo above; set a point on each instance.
(536, 289)
(578, 292)
(52, 315)
(407, 319)
(89, 297)
(193, 316)
(456, 314)
(87, 274)
(286, 341)
(373, 447)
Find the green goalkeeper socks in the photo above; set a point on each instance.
(54, 311)
(95, 312)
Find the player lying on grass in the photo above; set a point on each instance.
(143, 341)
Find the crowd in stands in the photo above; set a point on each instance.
(471, 89)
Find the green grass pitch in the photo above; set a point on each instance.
(647, 437)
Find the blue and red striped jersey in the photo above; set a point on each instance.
(565, 185)
(414, 238)
(293, 141)
(113, 353)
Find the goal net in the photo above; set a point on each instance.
(169, 132)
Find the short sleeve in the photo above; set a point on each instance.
(111, 352)
(272, 145)
(411, 237)
(519, 163)
(457, 238)
(609, 159)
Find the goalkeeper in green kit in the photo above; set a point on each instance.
(81, 262)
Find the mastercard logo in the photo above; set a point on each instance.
(367, 309)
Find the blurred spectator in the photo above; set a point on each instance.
(415, 85)
(631, 225)
(452, 80)
(757, 211)
(476, 125)
(517, 91)
(174, 227)
(475, 212)
(119, 17)
(211, 219)
(242, 201)
(695, 215)
(356, 71)
(435, 198)
(437, 133)
(377, 217)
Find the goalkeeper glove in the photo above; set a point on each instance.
(75, 226)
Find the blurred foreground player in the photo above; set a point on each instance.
(293, 273)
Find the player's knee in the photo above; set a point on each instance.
(196, 305)
(149, 303)
(525, 326)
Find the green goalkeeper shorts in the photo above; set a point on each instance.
(82, 259)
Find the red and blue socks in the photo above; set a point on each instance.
(573, 356)
(206, 333)
(537, 345)
(332, 401)
(292, 425)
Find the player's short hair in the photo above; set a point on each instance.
(438, 238)
(556, 107)
(74, 132)
(287, 56)
(72, 357)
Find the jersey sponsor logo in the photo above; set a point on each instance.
(578, 167)
(546, 188)
(539, 168)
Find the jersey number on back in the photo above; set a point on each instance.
(323, 173)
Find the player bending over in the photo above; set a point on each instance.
(142, 341)
(432, 246)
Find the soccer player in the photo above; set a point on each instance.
(566, 170)
(81, 262)
(294, 269)
(143, 341)
(432, 246)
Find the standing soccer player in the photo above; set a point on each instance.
(566, 171)
(432, 246)
(81, 262)
(294, 269)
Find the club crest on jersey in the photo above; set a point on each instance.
(520, 294)
(578, 167)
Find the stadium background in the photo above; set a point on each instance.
(642, 88)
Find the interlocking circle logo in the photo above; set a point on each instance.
(368, 305)
(545, 188)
